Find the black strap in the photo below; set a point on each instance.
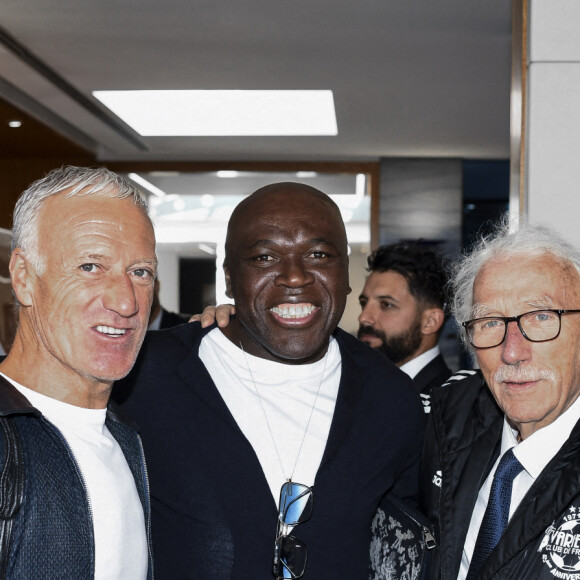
(11, 487)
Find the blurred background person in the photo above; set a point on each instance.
(160, 317)
(404, 309)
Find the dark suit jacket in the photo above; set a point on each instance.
(432, 375)
(214, 517)
(169, 319)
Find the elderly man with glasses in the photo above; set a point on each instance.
(501, 469)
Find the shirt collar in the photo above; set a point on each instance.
(415, 365)
(535, 452)
(155, 324)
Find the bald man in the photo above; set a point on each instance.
(270, 442)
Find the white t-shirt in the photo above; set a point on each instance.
(287, 393)
(534, 453)
(121, 551)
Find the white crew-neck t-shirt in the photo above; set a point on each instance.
(121, 551)
(271, 403)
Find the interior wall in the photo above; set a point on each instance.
(168, 273)
(7, 308)
(553, 117)
(17, 174)
(357, 276)
(421, 198)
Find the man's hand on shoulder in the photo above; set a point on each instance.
(211, 314)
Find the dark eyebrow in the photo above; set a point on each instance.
(387, 297)
(270, 243)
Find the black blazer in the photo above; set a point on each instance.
(214, 517)
(432, 375)
(169, 319)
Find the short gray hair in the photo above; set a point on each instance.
(80, 181)
(528, 240)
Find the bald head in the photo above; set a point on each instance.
(286, 195)
(286, 267)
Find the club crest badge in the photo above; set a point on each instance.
(560, 546)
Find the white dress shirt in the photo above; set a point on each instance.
(416, 365)
(534, 453)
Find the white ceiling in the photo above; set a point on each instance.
(427, 78)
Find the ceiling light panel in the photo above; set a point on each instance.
(224, 113)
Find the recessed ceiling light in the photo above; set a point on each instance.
(226, 173)
(224, 113)
(14, 124)
(206, 248)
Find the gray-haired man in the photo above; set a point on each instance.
(82, 267)
(518, 298)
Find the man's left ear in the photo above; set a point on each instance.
(228, 282)
(432, 320)
(22, 276)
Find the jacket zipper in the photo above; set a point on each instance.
(430, 542)
(88, 498)
(83, 483)
(428, 537)
(147, 502)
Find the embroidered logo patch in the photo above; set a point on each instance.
(560, 547)
(437, 480)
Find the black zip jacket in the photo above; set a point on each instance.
(542, 539)
(51, 534)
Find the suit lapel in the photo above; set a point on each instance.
(193, 373)
(352, 377)
(545, 501)
(239, 459)
(429, 373)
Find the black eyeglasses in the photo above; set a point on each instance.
(535, 326)
(290, 554)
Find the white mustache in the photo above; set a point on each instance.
(509, 374)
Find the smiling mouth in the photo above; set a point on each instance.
(111, 330)
(293, 311)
